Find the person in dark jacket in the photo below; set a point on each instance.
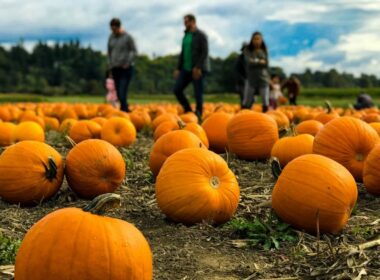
(293, 87)
(121, 58)
(241, 75)
(193, 64)
(257, 69)
(363, 101)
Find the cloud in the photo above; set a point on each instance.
(300, 33)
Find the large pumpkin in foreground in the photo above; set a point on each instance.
(252, 135)
(348, 141)
(30, 171)
(94, 167)
(314, 189)
(371, 172)
(73, 244)
(196, 185)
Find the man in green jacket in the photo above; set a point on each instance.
(193, 64)
(121, 59)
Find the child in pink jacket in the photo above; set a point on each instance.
(111, 96)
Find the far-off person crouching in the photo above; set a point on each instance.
(193, 64)
(257, 69)
(363, 101)
(293, 87)
(122, 53)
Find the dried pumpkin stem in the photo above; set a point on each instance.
(50, 169)
(102, 203)
(181, 124)
(276, 167)
(70, 140)
(328, 106)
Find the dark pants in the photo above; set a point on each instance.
(183, 80)
(292, 99)
(122, 78)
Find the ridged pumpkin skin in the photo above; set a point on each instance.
(376, 126)
(83, 130)
(164, 128)
(371, 172)
(94, 167)
(196, 129)
(280, 118)
(348, 141)
(66, 125)
(311, 127)
(74, 244)
(288, 148)
(196, 185)
(6, 133)
(28, 131)
(215, 127)
(252, 135)
(170, 143)
(26, 173)
(140, 119)
(119, 132)
(312, 184)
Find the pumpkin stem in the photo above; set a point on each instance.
(102, 203)
(328, 106)
(71, 141)
(293, 129)
(214, 182)
(50, 169)
(282, 132)
(181, 124)
(276, 167)
(218, 107)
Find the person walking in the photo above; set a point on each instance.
(241, 75)
(193, 64)
(293, 87)
(121, 59)
(257, 69)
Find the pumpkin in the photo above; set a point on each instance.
(164, 128)
(372, 117)
(51, 123)
(164, 117)
(85, 129)
(189, 117)
(66, 125)
(80, 244)
(289, 148)
(376, 126)
(311, 127)
(5, 114)
(280, 118)
(327, 116)
(140, 119)
(215, 127)
(348, 141)
(196, 129)
(28, 131)
(94, 167)
(196, 185)
(371, 171)
(6, 133)
(252, 135)
(100, 120)
(170, 143)
(119, 132)
(312, 190)
(35, 119)
(30, 171)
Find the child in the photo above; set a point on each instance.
(111, 96)
(275, 91)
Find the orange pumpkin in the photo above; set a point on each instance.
(252, 135)
(164, 117)
(164, 128)
(215, 127)
(288, 148)
(196, 185)
(140, 119)
(372, 117)
(28, 131)
(376, 126)
(109, 248)
(348, 141)
(100, 120)
(94, 167)
(119, 132)
(83, 130)
(30, 171)
(170, 143)
(196, 129)
(313, 189)
(51, 123)
(189, 117)
(5, 114)
(66, 125)
(311, 127)
(6, 133)
(35, 119)
(280, 118)
(371, 171)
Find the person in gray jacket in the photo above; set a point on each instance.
(257, 69)
(121, 59)
(193, 64)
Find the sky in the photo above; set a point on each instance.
(300, 34)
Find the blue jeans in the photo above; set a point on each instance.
(122, 78)
(183, 80)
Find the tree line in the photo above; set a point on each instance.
(70, 68)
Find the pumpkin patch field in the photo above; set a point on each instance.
(90, 192)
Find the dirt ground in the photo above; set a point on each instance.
(206, 252)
